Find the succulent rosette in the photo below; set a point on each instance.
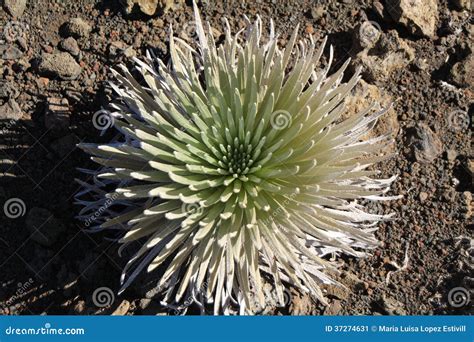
(232, 169)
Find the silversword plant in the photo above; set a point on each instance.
(232, 169)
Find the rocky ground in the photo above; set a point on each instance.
(55, 61)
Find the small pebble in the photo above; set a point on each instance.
(70, 45)
(423, 196)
